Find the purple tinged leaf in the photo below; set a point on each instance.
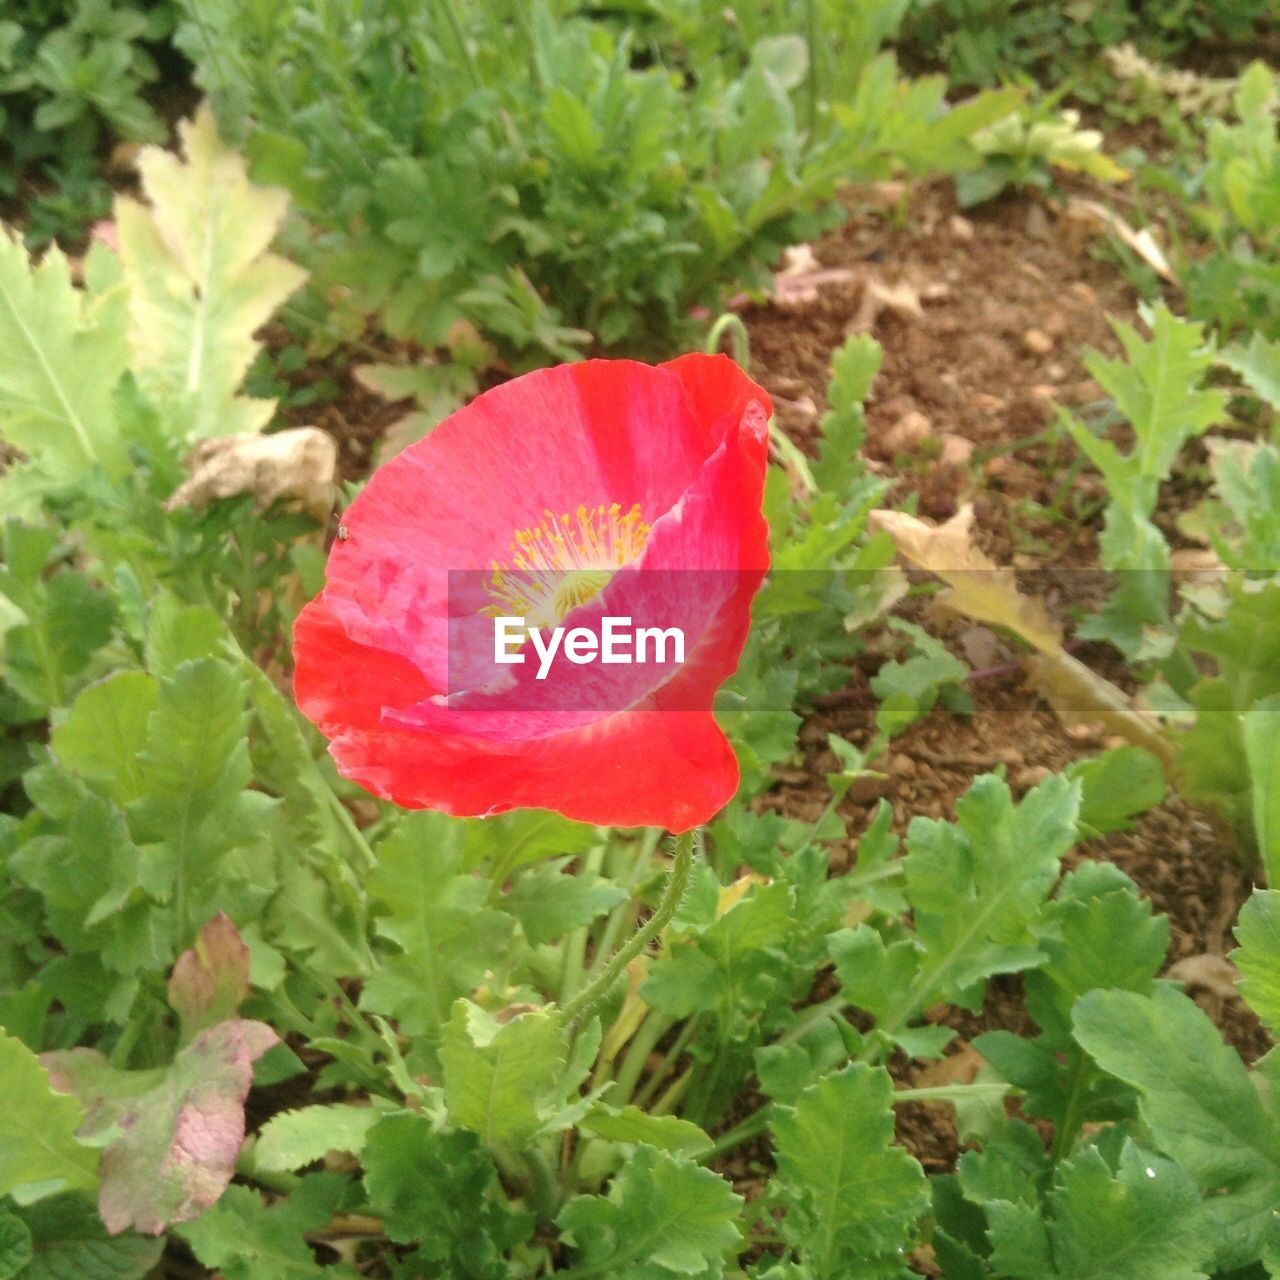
(211, 981)
(178, 1131)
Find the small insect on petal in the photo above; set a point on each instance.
(343, 533)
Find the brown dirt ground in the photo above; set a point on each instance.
(1010, 297)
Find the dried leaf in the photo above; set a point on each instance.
(179, 1128)
(297, 465)
(211, 981)
(1213, 973)
(802, 277)
(1142, 242)
(201, 281)
(980, 589)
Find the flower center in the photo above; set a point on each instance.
(564, 562)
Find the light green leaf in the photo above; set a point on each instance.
(243, 1239)
(663, 1217)
(38, 1146)
(103, 735)
(1196, 1097)
(201, 281)
(1258, 957)
(852, 1198)
(631, 1124)
(1115, 786)
(498, 1077)
(64, 352)
(1260, 727)
(293, 1139)
(1259, 365)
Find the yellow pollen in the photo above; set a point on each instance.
(564, 562)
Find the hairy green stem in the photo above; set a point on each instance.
(677, 882)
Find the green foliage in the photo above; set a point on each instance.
(851, 1198)
(663, 1217)
(1197, 1100)
(1158, 390)
(532, 171)
(39, 1153)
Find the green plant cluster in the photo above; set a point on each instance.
(72, 76)
(555, 178)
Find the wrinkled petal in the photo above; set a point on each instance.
(626, 745)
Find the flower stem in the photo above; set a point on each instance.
(677, 882)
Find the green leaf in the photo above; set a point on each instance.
(15, 1245)
(852, 1198)
(1145, 1222)
(294, 1139)
(1260, 727)
(976, 885)
(179, 1128)
(1259, 365)
(243, 1239)
(448, 937)
(1114, 786)
(440, 1190)
(498, 1077)
(1198, 1101)
(70, 1243)
(1158, 390)
(200, 281)
(549, 903)
(664, 1216)
(104, 733)
(39, 1153)
(64, 353)
(630, 1124)
(1258, 957)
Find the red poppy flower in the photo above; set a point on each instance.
(607, 489)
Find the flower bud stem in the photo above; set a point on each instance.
(677, 882)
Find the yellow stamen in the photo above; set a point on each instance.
(564, 562)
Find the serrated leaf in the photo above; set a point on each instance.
(630, 1124)
(200, 281)
(549, 903)
(448, 936)
(1196, 1098)
(70, 1243)
(498, 1077)
(180, 1128)
(246, 1240)
(852, 1198)
(1258, 957)
(294, 1139)
(1258, 364)
(1114, 786)
(1144, 1222)
(664, 1216)
(38, 1145)
(440, 1190)
(64, 353)
(976, 885)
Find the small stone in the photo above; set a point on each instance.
(988, 403)
(961, 228)
(911, 430)
(956, 450)
(1044, 391)
(1037, 342)
(1032, 776)
(1055, 372)
(904, 765)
